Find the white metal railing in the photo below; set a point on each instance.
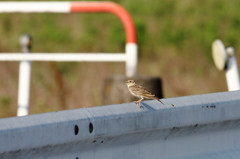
(129, 57)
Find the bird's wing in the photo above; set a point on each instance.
(136, 89)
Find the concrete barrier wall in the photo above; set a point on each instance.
(199, 126)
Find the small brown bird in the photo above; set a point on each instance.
(140, 92)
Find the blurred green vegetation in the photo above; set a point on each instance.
(174, 40)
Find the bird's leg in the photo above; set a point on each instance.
(138, 102)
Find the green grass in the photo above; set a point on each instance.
(174, 40)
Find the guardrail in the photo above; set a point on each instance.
(130, 55)
(200, 126)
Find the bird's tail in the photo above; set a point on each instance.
(160, 101)
(156, 98)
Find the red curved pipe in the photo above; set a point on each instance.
(112, 8)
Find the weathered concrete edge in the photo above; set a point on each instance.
(56, 128)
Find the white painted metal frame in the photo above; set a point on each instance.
(129, 57)
(64, 57)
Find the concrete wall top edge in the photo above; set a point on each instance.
(88, 123)
(213, 100)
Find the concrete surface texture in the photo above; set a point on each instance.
(200, 126)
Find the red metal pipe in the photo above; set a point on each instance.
(110, 7)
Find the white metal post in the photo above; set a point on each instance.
(131, 59)
(224, 59)
(232, 70)
(24, 78)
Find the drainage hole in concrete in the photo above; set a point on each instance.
(76, 129)
(90, 127)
